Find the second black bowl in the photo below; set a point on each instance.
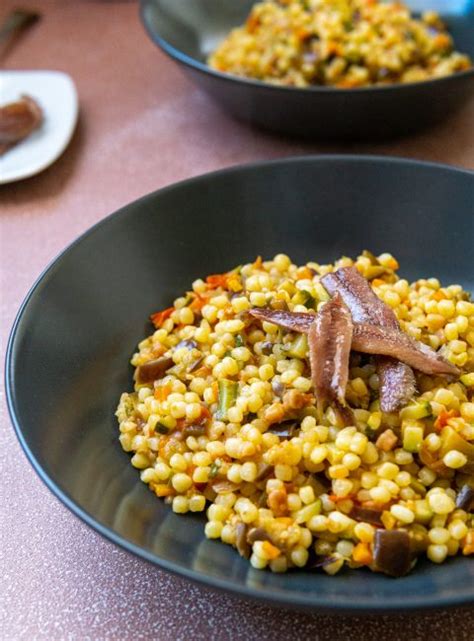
(190, 31)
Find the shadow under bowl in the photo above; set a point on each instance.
(189, 31)
(68, 354)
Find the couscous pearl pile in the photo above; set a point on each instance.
(230, 426)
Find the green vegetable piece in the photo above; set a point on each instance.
(418, 487)
(308, 511)
(412, 438)
(214, 469)
(239, 340)
(302, 297)
(416, 411)
(451, 440)
(227, 397)
(299, 347)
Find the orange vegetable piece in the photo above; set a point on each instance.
(216, 280)
(159, 351)
(202, 372)
(158, 318)
(469, 544)
(277, 502)
(253, 21)
(305, 272)
(303, 34)
(334, 48)
(163, 490)
(162, 392)
(442, 41)
(335, 499)
(205, 413)
(197, 303)
(444, 418)
(362, 554)
(258, 262)
(234, 283)
(271, 551)
(348, 83)
(387, 440)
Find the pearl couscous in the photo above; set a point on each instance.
(223, 420)
(342, 43)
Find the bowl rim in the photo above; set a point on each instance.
(179, 56)
(299, 600)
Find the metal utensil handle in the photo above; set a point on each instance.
(16, 21)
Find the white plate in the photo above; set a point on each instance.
(56, 94)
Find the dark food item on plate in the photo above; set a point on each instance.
(18, 120)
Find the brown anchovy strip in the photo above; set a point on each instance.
(397, 383)
(329, 341)
(294, 321)
(17, 120)
(396, 380)
(371, 339)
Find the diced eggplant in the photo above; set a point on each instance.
(154, 370)
(465, 498)
(241, 540)
(392, 552)
(284, 430)
(194, 430)
(258, 534)
(189, 343)
(366, 514)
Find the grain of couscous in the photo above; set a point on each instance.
(229, 417)
(342, 43)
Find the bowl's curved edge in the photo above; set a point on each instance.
(183, 58)
(298, 602)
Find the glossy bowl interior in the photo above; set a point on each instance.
(68, 355)
(190, 31)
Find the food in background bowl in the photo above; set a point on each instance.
(342, 43)
(323, 414)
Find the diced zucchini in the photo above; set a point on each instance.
(451, 440)
(299, 347)
(321, 293)
(416, 411)
(227, 397)
(412, 438)
(374, 420)
(305, 513)
(303, 297)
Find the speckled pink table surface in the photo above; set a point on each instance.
(142, 126)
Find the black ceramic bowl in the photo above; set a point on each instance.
(189, 30)
(68, 355)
